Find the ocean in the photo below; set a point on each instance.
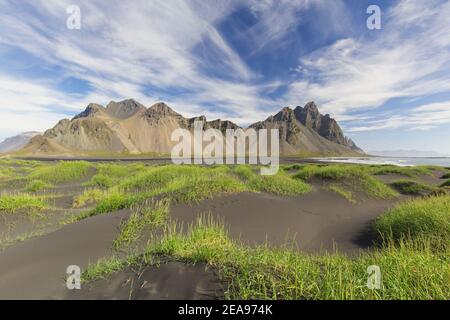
(406, 161)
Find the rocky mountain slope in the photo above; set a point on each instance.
(304, 129)
(130, 127)
(17, 142)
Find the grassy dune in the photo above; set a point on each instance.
(63, 171)
(180, 184)
(411, 187)
(341, 190)
(109, 174)
(356, 177)
(427, 218)
(37, 185)
(280, 184)
(403, 171)
(12, 203)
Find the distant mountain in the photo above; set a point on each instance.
(304, 129)
(406, 153)
(17, 142)
(130, 127)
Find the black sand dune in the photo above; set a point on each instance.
(318, 221)
(315, 221)
(432, 180)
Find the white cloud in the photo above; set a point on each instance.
(123, 47)
(424, 117)
(410, 57)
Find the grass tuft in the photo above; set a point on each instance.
(342, 192)
(411, 187)
(146, 215)
(350, 175)
(420, 218)
(89, 196)
(37, 185)
(109, 175)
(11, 203)
(63, 171)
(280, 183)
(6, 173)
(410, 171)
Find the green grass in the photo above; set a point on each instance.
(109, 174)
(89, 196)
(113, 200)
(18, 162)
(11, 203)
(411, 187)
(158, 177)
(446, 176)
(37, 185)
(103, 268)
(6, 173)
(350, 175)
(427, 218)
(446, 184)
(280, 183)
(63, 171)
(340, 190)
(411, 171)
(144, 217)
(101, 180)
(175, 183)
(195, 189)
(409, 271)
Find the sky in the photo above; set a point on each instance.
(239, 60)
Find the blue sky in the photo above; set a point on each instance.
(240, 60)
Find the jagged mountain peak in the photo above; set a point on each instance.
(160, 109)
(91, 110)
(300, 122)
(285, 114)
(224, 124)
(311, 107)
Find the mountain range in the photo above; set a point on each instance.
(129, 127)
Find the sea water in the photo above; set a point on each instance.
(405, 161)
